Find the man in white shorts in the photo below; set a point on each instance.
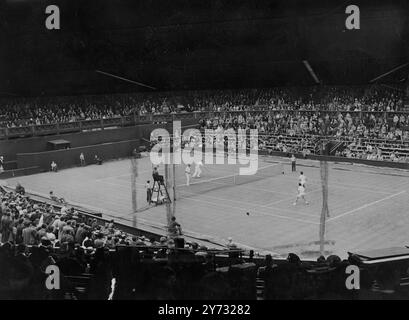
(198, 170)
(301, 194)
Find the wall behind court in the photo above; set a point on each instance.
(10, 148)
(70, 157)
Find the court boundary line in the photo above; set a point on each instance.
(257, 212)
(236, 185)
(346, 186)
(268, 205)
(246, 202)
(213, 181)
(366, 206)
(288, 199)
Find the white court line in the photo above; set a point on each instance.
(121, 175)
(211, 180)
(401, 185)
(336, 185)
(246, 202)
(288, 199)
(257, 212)
(198, 182)
(346, 186)
(227, 200)
(366, 205)
(237, 185)
(124, 185)
(114, 184)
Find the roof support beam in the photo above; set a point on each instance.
(124, 79)
(389, 72)
(311, 71)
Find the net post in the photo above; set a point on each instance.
(134, 174)
(324, 209)
(174, 187)
(174, 181)
(168, 207)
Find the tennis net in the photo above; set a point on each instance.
(219, 181)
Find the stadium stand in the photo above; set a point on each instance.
(101, 260)
(363, 122)
(43, 111)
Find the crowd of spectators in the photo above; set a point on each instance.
(367, 137)
(297, 126)
(36, 234)
(317, 123)
(306, 112)
(46, 110)
(38, 111)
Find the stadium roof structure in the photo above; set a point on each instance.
(196, 44)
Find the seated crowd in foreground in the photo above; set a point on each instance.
(60, 236)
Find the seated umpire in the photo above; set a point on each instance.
(156, 176)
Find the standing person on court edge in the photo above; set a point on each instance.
(82, 159)
(187, 174)
(198, 170)
(293, 163)
(148, 192)
(54, 167)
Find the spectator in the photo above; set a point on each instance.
(30, 236)
(6, 227)
(54, 167)
(20, 189)
(82, 159)
(97, 160)
(175, 228)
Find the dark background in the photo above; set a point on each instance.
(196, 44)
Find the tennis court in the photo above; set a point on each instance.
(368, 206)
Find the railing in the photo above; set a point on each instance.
(346, 139)
(131, 120)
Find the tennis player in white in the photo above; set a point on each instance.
(302, 179)
(301, 194)
(198, 170)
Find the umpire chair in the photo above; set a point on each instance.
(159, 189)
